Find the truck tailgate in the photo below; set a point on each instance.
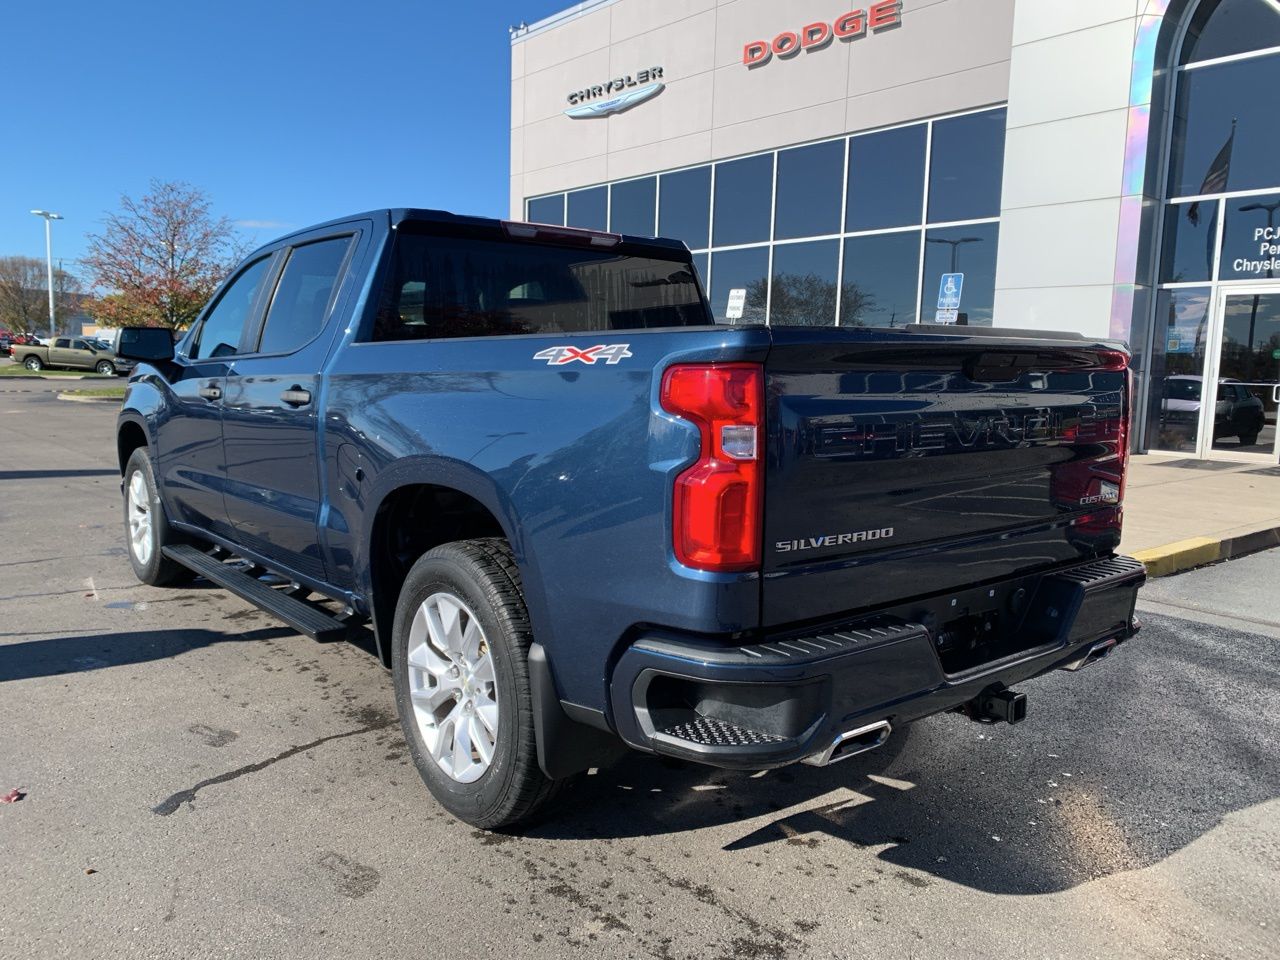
(907, 463)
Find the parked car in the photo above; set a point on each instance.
(72, 353)
(580, 515)
(1237, 412)
(9, 340)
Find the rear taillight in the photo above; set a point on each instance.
(717, 501)
(1117, 360)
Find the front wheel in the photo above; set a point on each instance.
(460, 650)
(106, 368)
(145, 526)
(33, 363)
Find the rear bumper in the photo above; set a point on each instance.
(787, 697)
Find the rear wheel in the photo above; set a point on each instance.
(460, 665)
(33, 363)
(146, 528)
(106, 368)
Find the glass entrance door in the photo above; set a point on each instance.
(1238, 415)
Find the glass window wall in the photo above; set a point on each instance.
(875, 200)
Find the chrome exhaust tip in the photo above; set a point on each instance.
(1095, 653)
(852, 743)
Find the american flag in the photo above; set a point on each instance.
(1215, 180)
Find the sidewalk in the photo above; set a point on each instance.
(1180, 513)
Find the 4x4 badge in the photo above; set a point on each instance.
(610, 353)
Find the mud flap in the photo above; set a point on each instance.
(565, 746)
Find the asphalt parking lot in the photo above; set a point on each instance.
(203, 782)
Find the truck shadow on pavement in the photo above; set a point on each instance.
(61, 655)
(1100, 779)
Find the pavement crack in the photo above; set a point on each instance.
(188, 796)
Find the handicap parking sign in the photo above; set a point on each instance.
(949, 291)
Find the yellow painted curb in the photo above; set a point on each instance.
(1183, 555)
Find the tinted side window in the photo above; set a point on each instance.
(684, 206)
(886, 179)
(469, 287)
(744, 193)
(219, 335)
(588, 209)
(547, 210)
(62, 343)
(301, 302)
(966, 167)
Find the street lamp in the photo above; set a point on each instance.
(955, 249)
(48, 256)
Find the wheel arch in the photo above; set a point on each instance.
(130, 435)
(416, 511)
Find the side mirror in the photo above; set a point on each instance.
(151, 344)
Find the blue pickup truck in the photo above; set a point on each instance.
(579, 515)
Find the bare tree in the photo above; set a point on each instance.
(24, 294)
(160, 258)
(807, 300)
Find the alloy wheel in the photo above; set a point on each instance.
(139, 511)
(453, 687)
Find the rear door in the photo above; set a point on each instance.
(269, 429)
(904, 463)
(189, 431)
(61, 354)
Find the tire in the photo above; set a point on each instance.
(1248, 439)
(106, 368)
(480, 578)
(149, 564)
(33, 363)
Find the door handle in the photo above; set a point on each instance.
(211, 393)
(295, 396)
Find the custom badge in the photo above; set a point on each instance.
(610, 353)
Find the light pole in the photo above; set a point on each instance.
(48, 256)
(955, 249)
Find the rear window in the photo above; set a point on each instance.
(469, 287)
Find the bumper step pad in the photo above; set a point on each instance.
(710, 732)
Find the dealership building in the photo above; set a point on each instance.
(1110, 167)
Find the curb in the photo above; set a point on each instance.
(65, 376)
(68, 397)
(1201, 551)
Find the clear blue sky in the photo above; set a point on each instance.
(285, 112)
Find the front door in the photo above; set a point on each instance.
(1238, 411)
(189, 428)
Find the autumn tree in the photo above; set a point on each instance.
(159, 259)
(24, 294)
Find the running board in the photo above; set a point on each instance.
(302, 616)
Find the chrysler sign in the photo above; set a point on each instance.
(616, 95)
(813, 37)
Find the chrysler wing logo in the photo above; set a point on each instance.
(607, 108)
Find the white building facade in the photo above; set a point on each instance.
(1110, 167)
